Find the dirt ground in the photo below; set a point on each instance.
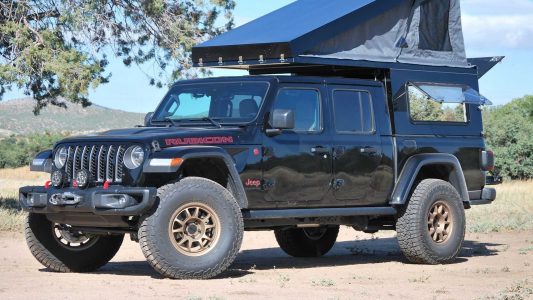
(491, 266)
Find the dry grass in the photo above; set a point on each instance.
(11, 217)
(512, 210)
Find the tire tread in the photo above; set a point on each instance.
(147, 231)
(294, 242)
(105, 248)
(409, 232)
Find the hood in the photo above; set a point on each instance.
(166, 136)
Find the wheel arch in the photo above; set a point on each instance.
(215, 161)
(429, 165)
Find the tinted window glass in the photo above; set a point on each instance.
(305, 103)
(226, 102)
(353, 111)
(366, 112)
(423, 107)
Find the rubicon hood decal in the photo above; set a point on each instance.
(166, 136)
(209, 140)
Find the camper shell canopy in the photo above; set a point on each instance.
(374, 34)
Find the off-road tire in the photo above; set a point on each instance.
(412, 226)
(295, 242)
(160, 251)
(50, 253)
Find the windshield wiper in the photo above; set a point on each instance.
(172, 121)
(177, 123)
(212, 121)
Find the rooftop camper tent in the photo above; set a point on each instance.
(362, 34)
(395, 41)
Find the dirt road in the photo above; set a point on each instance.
(359, 266)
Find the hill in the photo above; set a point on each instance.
(16, 117)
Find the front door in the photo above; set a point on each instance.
(298, 163)
(357, 147)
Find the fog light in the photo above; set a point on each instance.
(34, 199)
(57, 178)
(82, 178)
(116, 201)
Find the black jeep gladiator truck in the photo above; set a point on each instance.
(372, 145)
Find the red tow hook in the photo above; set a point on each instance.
(106, 185)
(47, 184)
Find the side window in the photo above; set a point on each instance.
(305, 103)
(353, 111)
(431, 37)
(437, 103)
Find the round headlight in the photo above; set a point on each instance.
(60, 158)
(133, 157)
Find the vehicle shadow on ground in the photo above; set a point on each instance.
(373, 251)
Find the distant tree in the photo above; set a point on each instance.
(425, 110)
(526, 105)
(509, 133)
(53, 48)
(18, 151)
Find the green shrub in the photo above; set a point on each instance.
(509, 133)
(18, 151)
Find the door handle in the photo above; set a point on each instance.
(369, 150)
(320, 150)
(339, 151)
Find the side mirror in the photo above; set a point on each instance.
(148, 119)
(280, 119)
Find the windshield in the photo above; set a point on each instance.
(223, 102)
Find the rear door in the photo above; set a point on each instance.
(357, 149)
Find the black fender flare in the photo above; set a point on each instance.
(189, 152)
(412, 167)
(42, 162)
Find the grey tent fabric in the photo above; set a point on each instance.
(421, 32)
(425, 32)
(452, 54)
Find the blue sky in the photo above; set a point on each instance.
(491, 28)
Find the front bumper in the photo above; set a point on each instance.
(114, 201)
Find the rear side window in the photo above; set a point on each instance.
(353, 111)
(305, 103)
(437, 103)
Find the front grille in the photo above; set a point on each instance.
(103, 162)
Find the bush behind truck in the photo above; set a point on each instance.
(342, 141)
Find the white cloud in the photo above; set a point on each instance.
(496, 7)
(494, 24)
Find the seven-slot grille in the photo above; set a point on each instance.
(103, 162)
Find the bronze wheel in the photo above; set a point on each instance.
(194, 229)
(440, 222)
(62, 249)
(307, 242)
(315, 234)
(72, 240)
(431, 227)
